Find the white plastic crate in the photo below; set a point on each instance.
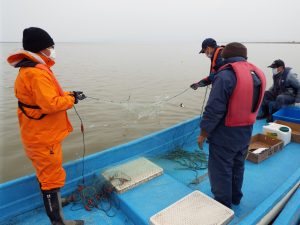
(194, 209)
(128, 175)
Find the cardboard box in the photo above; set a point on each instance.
(295, 129)
(272, 146)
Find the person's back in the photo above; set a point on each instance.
(227, 122)
(222, 90)
(217, 121)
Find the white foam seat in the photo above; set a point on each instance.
(128, 175)
(194, 209)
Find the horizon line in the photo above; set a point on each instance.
(264, 42)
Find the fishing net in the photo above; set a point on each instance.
(194, 161)
(96, 194)
(143, 110)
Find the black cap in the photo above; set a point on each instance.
(277, 63)
(36, 39)
(234, 49)
(208, 42)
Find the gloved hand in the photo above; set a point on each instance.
(201, 83)
(78, 95)
(194, 86)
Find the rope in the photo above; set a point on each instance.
(83, 141)
(82, 126)
(93, 196)
(189, 160)
(128, 99)
(97, 194)
(180, 93)
(194, 161)
(204, 99)
(110, 101)
(201, 113)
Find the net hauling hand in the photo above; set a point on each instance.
(201, 83)
(78, 96)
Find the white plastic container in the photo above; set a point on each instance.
(278, 131)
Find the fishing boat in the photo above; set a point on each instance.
(271, 188)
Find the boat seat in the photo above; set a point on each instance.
(194, 209)
(130, 174)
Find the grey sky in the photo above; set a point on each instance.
(153, 20)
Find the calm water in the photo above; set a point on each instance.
(133, 84)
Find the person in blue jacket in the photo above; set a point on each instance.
(284, 91)
(236, 94)
(213, 52)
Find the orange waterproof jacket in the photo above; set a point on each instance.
(37, 86)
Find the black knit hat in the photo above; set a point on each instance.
(36, 39)
(234, 49)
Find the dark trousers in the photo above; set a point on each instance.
(226, 173)
(272, 103)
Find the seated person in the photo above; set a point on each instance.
(284, 91)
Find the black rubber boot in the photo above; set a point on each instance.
(53, 206)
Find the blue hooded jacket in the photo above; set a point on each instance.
(213, 120)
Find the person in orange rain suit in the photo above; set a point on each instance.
(42, 115)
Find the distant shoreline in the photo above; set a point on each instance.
(246, 42)
(271, 42)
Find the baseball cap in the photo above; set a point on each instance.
(208, 42)
(277, 63)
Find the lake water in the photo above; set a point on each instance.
(134, 84)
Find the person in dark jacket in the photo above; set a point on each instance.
(228, 127)
(213, 52)
(284, 91)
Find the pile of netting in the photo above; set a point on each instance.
(97, 194)
(196, 160)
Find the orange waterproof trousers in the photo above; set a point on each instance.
(47, 161)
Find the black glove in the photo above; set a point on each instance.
(194, 86)
(201, 83)
(78, 95)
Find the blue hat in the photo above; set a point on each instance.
(208, 42)
(277, 63)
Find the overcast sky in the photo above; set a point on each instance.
(153, 20)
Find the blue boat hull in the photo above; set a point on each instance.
(265, 184)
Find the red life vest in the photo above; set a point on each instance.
(240, 103)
